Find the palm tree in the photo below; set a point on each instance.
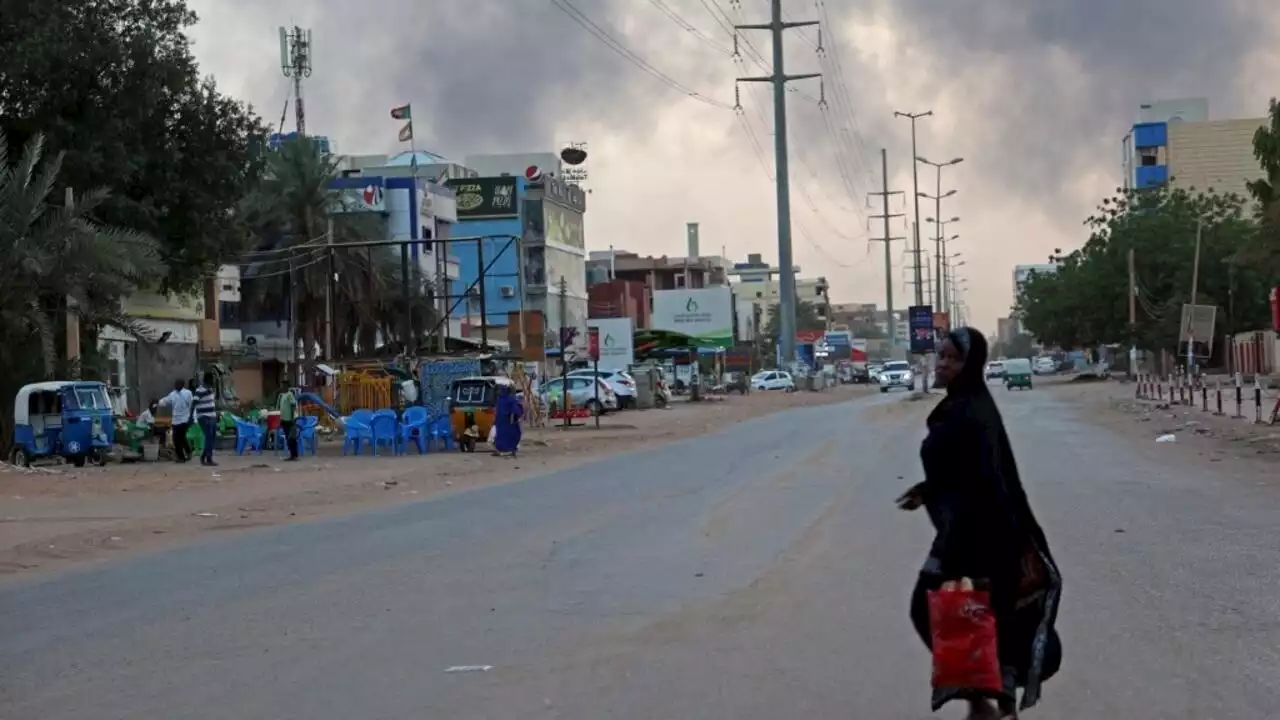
(292, 213)
(57, 260)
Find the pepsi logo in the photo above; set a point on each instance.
(533, 172)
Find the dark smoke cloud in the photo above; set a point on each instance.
(1035, 94)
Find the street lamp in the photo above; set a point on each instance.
(915, 187)
(940, 257)
(937, 199)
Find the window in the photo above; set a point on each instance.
(535, 265)
(92, 398)
(580, 383)
(470, 394)
(679, 281)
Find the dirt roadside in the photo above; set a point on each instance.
(53, 519)
(1221, 445)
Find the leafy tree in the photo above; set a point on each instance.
(1085, 303)
(54, 254)
(806, 319)
(291, 213)
(1266, 193)
(113, 86)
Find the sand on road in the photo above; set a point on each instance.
(51, 519)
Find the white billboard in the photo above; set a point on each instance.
(706, 314)
(617, 342)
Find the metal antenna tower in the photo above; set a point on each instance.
(295, 62)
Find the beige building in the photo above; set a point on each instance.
(1217, 155)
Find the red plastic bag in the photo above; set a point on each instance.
(966, 663)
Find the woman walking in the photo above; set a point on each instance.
(985, 528)
(509, 411)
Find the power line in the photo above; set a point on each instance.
(568, 8)
(689, 27)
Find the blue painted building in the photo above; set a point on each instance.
(533, 239)
(491, 209)
(1145, 147)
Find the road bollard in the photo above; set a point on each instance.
(1239, 402)
(1204, 397)
(1159, 390)
(1257, 404)
(1219, 413)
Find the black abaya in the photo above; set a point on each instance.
(985, 527)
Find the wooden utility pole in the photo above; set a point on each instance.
(330, 344)
(1133, 317)
(1191, 309)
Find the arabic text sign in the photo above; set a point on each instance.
(616, 344)
(705, 314)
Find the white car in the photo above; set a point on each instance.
(1045, 365)
(897, 373)
(591, 393)
(773, 380)
(620, 381)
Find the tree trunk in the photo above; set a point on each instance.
(48, 338)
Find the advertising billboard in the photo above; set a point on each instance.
(920, 325)
(705, 314)
(484, 197)
(617, 342)
(563, 226)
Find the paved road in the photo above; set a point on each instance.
(757, 574)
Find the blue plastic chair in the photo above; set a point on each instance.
(306, 425)
(384, 430)
(356, 432)
(307, 440)
(413, 429)
(440, 429)
(249, 436)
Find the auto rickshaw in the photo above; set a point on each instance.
(70, 419)
(1017, 374)
(473, 403)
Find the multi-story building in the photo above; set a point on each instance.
(1176, 142)
(759, 282)
(532, 253)
(620, 298)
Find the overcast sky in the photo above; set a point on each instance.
(1035, 95)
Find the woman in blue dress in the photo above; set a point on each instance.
(509, 412)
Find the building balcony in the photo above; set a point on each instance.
(1150, 176)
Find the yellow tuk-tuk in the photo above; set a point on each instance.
(1017, 374)
(472, 405)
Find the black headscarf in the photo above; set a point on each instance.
(985, 526)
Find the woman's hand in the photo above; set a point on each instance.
(911, 499)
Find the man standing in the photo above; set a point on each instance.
(180, 401)
(206, 414)
(288, 407)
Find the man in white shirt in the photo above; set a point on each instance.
(180, 401)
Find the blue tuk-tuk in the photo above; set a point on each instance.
(64, 418)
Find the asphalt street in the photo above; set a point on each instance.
(761, 573)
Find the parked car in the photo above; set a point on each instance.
(897, 373)
(773, 380)
(1045, 365)
(995, 370)
(582, 394)
(874, 370)
(620, 381)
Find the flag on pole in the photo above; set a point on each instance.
(401, 113)
(406, 132)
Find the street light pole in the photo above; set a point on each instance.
(939, 296)
(915, 188)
